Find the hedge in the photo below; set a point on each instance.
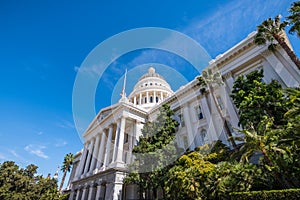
(288, 194)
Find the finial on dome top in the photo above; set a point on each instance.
(151, 70)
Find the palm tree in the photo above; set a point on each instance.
(66, 167)
(271, 30)
(209, 78)
(294, 18)
(264, 140)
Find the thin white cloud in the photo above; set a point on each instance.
(231, 23)
(14, 153)
(36, 150)
(66, 124)
(60, 143)
(94, 70)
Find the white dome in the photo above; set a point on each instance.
(150, 90)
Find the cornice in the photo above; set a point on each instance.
(234, 52)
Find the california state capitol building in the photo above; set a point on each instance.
(100, 167)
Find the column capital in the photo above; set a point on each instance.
(266, 53)
(227, 75)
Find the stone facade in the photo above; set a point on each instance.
(101, 166)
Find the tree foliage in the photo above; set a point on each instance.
(19, 183)
(210, 79)
(66, 167)
(155, 152)
(271, 31)
(229, 177)
(186, 179)
(294, 18)
(256, 100)
(270, 118)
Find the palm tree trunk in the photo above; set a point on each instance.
(227, 130)
(288, 50)
(62, 180)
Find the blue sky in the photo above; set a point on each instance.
(43, 43)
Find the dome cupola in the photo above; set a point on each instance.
(150, 90)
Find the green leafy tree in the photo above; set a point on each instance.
(294, 18)
(271, 30)
(66, 167)
(154, 153)
(19, 183)
(229, 177)
(186, 178)
(210, 79)
(266, 114)
(290, 139)
(256, 99)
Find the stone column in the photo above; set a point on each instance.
(115, 149)
(91, 193)
(83, 194)
(86, 168)
(161, 96)
(108, 146)
(72, 195)
(211, 131)
(82, 160)
(98, 193)
(140, 100)
(131, 138)
(120, 144)
(282, 71)
(147, 96)
(154, 96)
(95, 154)
(187, 121)
(100, 155)
(134, 100)
(77, 194)
(138, 131)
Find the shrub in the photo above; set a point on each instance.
(290, 194)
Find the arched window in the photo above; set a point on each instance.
(203, 134)
(145, 99)
(156, 99)
(151, 99)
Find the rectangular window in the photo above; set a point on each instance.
(199, 112)
(181, 120)
(125, 138)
